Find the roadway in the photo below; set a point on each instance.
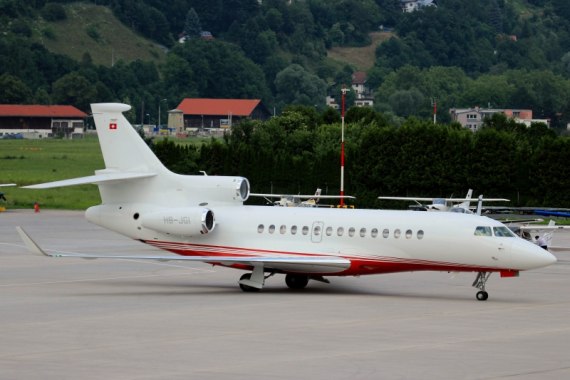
(94, 319)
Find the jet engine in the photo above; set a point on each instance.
(187, 221)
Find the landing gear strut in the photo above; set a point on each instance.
(479, 283)
(246, 288)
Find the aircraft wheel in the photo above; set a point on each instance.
(246, 288)
(296, 281)
(482, 295)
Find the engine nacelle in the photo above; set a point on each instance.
(187, 221)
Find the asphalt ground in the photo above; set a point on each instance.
(95, 319)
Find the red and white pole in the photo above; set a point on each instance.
(342, 148)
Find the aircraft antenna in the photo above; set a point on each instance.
(343, 90)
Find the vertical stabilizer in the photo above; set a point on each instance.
(465, 205)
(122, 147)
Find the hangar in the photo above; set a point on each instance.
(41, 121)
(220, 113)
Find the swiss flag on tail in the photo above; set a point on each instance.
(112, 125)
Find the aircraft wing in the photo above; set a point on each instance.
(543, 228)
(307, 264)
(445, 199)
(409, 199)
(7, 184)
(301, 196)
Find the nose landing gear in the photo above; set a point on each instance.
(479, 283)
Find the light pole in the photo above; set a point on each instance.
(159, 120)
(344, 90)
(148, 116)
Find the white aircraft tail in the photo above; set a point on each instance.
(123, 149)
(134, 175)
(465, 205)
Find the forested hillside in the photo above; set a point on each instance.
(463, 53)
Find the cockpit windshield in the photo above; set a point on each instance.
(503, 232)
(497, 231)
(483, 231)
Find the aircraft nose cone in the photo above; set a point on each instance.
(549, 258)
(531, 256)
(541, 258)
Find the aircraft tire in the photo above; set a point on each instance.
(246, 288)
(296, 281)
(482, 296)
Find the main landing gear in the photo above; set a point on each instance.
(254, 281)
(479, 283)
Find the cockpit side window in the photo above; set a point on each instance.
(483, 231)
(503, 232)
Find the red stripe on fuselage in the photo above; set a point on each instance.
(359, 265)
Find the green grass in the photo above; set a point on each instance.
(27, 162)
(94, 29)
(362, 58)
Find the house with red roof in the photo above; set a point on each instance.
(199, 113)
(41, 121)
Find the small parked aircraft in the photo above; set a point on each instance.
(461, 205)
(290, 200)
(202, 218)
(533, 232)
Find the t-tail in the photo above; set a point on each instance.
(135, 184)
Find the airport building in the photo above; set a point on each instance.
(200, 114)
(41, 121)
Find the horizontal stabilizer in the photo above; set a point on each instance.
(308, 264)
(93, 179)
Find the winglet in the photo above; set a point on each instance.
(30, 243)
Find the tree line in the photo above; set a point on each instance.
(299, 151)
(484, 53)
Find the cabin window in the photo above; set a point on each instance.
(293, 230)
(374, 232)
(329, 231)
(317, 230)
(351, 231)
(340, 231)
(305, 230)
(503, 232)
(260, 228)
(386, 233)
(271, 228)
(397, 233)
(282, 229)
(409, 234)
(420, 234)
(362, 232)
(483, 231)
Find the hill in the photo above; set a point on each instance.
(93, 29)
(362, 58)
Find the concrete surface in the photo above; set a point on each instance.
(80, 319)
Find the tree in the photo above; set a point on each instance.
(406, 102)
(295, 85)
(192, 27)
(75, 90)
(13, 90)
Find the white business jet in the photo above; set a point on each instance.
(202, 218)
